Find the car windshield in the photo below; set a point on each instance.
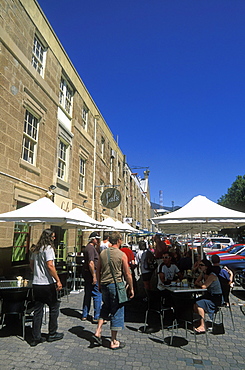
(220, 240)
(226, 248)
(237, 249)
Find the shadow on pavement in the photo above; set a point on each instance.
(71, 312)
(177, 341)
(239, 293)
(80, 332)
(135, 310)
(12, 327)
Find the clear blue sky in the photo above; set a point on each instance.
(169, 78)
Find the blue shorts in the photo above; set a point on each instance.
(111, 309)
(208, 306)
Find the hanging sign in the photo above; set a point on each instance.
(111, 198)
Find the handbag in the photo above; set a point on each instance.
(120, 286)
(218, 329)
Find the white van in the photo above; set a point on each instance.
(217, 243)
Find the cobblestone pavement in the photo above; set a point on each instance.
(142, 352)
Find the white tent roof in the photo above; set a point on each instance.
(118, 225)
(109, 223)
(202, 213)
(80, 218)
(42, 210)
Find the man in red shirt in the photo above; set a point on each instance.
(160, 246)
(130, 254)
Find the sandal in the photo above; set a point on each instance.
(98, 340)
(121, 345)
(200, 331)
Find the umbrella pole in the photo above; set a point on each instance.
(74, 265)
(201, 242)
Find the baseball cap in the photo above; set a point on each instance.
(94, 235)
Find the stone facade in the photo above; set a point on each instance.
(65, 141)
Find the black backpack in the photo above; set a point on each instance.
(150, 262)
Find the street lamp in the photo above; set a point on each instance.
(50, 193)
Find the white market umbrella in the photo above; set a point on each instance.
(80, 218)
(199, 214)
(42, 210)
(109, 223)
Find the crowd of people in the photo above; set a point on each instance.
(108, 262)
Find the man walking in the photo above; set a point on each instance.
(91, 286)
(111, 308)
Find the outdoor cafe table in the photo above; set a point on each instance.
(184, 289)
(13, 284)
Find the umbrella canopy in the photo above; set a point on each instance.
(124, 227)
(199, 214)
(77, 217)
(42, 210)
(109, 223)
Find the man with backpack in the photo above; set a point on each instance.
(148, 265)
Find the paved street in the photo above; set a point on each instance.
(142, 352)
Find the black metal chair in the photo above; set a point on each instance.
(63, 279)
(183, 311)
(155, 304)
(15, 302)
(226, 288)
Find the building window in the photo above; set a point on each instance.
(62, 160)
(38, 56)
(85, 116)
(102, 147)
(66, 94)
(82, 175)
(30, 136)
(119, 169)
(111, 169)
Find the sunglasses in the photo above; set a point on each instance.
(166, 257)
(201, 264)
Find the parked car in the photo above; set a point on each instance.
(236, 266)
(233, 252)
(193, 244)
(217, 240)
(216, 247)
(221, 251)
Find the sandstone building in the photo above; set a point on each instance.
(52, 133)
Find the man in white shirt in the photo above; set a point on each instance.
(167, 272)
(104, 244)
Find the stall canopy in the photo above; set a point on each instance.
(200, 214)
(79, 218)
(110, 224)
(42, 210)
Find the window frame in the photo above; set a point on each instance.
(62, 161)
(38, 60)
(32, 140)
(82, 175)
(102, 147)
(85, 112)
(66, 93)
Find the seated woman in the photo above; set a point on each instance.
(212, 298)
